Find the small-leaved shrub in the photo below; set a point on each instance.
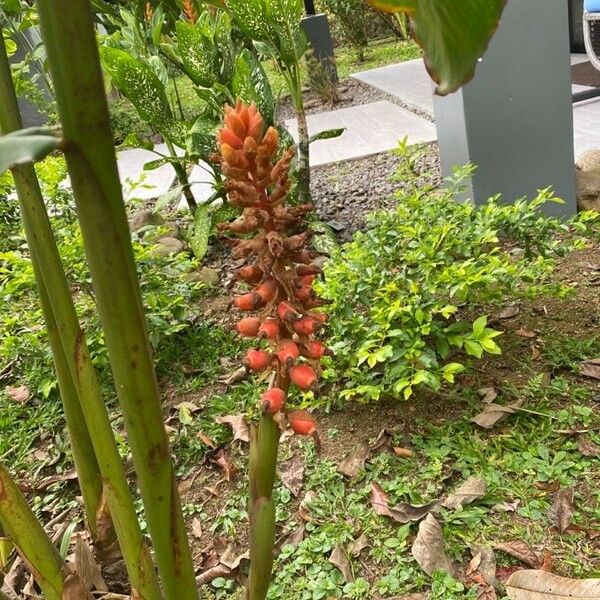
(407, 294)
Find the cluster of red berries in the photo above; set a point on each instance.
(281, 268)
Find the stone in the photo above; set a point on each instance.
(206, 275)
(144, 218)
(588, 190)
(589, 161)
(167, 246)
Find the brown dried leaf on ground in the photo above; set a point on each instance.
(410, 597)
(484, 562)
(358, 545)
(212, 573)
(521, 551)
(526, 333)
(541, 585)
(472, 489)
(295, 537)
(488, 394)
(403, 452)
(231, 559)
(238, 426)
(292, 474)
(403, 512)
(87, 568)
(507, 313)
(384, 437)
(428, 549)
(493, 413)
(20, 394)
(196, 528)
(339, 559)
(74, 588)
(354, 462)
(562, 509)
(222, 459)
(588, 448)
(590, 368)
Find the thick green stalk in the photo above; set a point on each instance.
(92, 166)
(264, 447)
(77, 377)
(33, 543)
(84, 457)
(183, 179)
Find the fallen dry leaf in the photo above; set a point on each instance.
(239, 427)
(590, 368)
(354, 462)
(483, 561)
(562, 509)
(207, 440)
(222, 459)
(403, 512)
(196, 528)
(292, 474)
(20, 394)
(231, 559)
(339, 559)
(526, 333)
(384, 437)
(358, 545)
(74, 588)
(295, 537)
(402, 452)
(428, 548)
(506, 506)
(472, 489)
(212, 573)
(488, 394)
(493, 413)
(588, 448)
(87, 568)
(410, 597)
(521, 551)
(541, 585)
(507, 313)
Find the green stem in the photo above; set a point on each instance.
(92, 166)
(182, 177)
(84, 457)
(29, 537)
(77, 377)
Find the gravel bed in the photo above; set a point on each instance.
(345, 192)
(356, 93)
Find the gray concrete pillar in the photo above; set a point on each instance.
(316, 28)
(515, 119)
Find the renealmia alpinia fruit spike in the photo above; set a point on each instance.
(249, 326)
(315, 350)
(249, 301)
(250, 274)
(273, 400)
(258, 359)
(308, 270)
(303, 376)
(306, 326)
(302, 422)
(287, 351)
(287, 312)
(304, 293)
(267, 290)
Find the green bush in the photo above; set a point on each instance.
(9, 214)
(125, 120)
(351, 17)
(406, 294)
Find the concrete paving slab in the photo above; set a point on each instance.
(370, 128)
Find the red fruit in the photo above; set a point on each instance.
(267, 290)
(258, 360)
(269, 330)
(320, 318)
(250, 301)
(250, 274)
(306, 326)
(314, 349)
(273, 400)
(248, 326)
(303, 376)
(315, 302)
(307, 279)
(287, 352)
(287, 312)
(304, 293)
(302, 422)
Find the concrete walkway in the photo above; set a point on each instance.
(410, 82)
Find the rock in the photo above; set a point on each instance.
(588, 190)
(589, 161)
(167, 246)
(206, 275)
(143, 218)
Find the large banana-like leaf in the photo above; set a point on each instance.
(285, 17)
(251, 17)
(453, 33)
(137, 81)
(251, 84)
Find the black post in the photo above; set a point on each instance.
(309, 6)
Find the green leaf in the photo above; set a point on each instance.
(26, 145)
(473, 348)
(133, 140)
(284, 17)
(196, 49)
(201, 138)
(251, 84)
(328, 134)
(479, 326)
(168, 198)
(453, 34)
(251, 18)
(201, 231)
